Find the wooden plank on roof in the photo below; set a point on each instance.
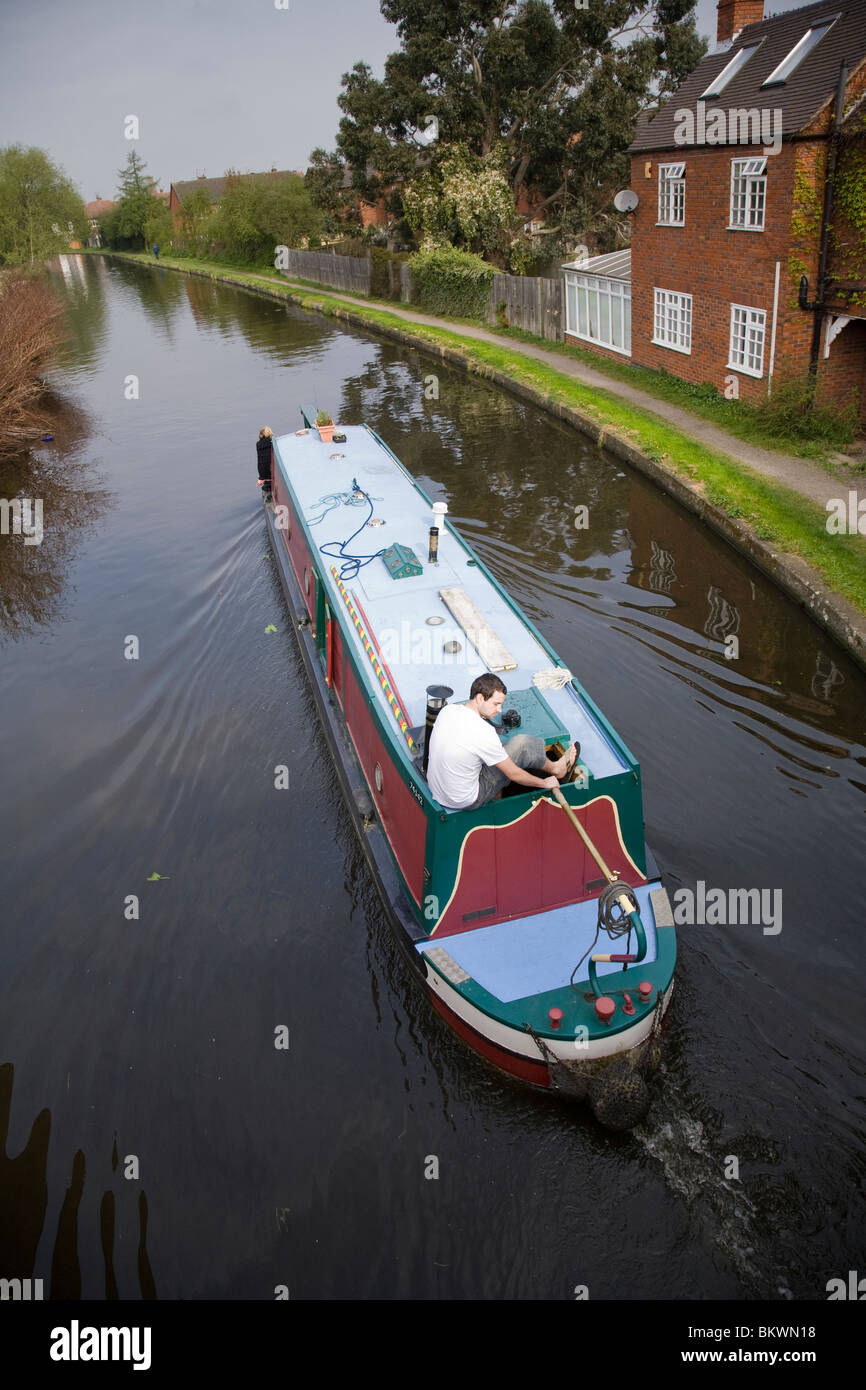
(493, 652)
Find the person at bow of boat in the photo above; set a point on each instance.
(468, 764)
(264, 457)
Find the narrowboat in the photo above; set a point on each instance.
(538, 922)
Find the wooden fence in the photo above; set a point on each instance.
(342, 272)
(528, 302)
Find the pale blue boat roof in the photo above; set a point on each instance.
(397, 609)
(533, 955)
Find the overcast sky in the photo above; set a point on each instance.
(215, 84)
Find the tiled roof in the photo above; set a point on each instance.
(810, 86)
(216, 187)
(616, 265)
(98, 208)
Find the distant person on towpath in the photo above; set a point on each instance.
(265, 458)
(469, 766)
(156, 250)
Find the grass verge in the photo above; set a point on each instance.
(784, 430)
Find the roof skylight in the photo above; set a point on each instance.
(739, 60)
(801, 50)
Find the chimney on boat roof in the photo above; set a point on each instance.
(734, 14)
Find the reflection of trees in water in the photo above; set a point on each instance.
(24, 1205)
(33, 577)
(81, 280)
(495, 458)
(715, 593)
(159, 292)
(280, 329)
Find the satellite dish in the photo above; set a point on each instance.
(625, 200)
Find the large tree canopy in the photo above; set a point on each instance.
(257, 215)
(39, 208)
(556, 87)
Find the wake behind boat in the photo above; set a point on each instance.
(537, 921)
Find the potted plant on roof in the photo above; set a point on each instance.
(325, 426)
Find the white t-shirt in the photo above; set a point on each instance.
(461, 741)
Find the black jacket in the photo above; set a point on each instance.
(264, 454)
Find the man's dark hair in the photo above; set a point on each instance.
(486, 685)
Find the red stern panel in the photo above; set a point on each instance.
(533, 865)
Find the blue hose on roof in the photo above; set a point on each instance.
(351, 564)
(332, 500)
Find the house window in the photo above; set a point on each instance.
(672, 195)
(599, 310)
(748, 331)
(800, 50)
(672, 320)
(748, 193)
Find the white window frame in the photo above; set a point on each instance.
(614, 291)
(801, 50)
(672, 195)
(751, 319)
(675, 311)
(752, 174)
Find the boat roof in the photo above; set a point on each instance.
(533, 955)
(395, 611)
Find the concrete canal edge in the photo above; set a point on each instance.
(792, 575)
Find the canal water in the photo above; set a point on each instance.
(153, 1139)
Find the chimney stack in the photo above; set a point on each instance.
(733, 15)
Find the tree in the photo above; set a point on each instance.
(286, 214)
(40, 211)
(135, 203)
(235, 228)
(324, 181)
(158, 228)
(522, 76)
(257, 215)
(196, 211)
(463, 200)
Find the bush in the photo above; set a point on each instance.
(30, 330)
(793, 411)
(449, 282)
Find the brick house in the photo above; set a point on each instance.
(731, 277)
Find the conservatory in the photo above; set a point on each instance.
(598, 301)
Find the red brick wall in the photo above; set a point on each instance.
(597, 350)
(732, 15)
(842, 375)
(717, 266)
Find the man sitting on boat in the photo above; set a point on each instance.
(468, 765)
